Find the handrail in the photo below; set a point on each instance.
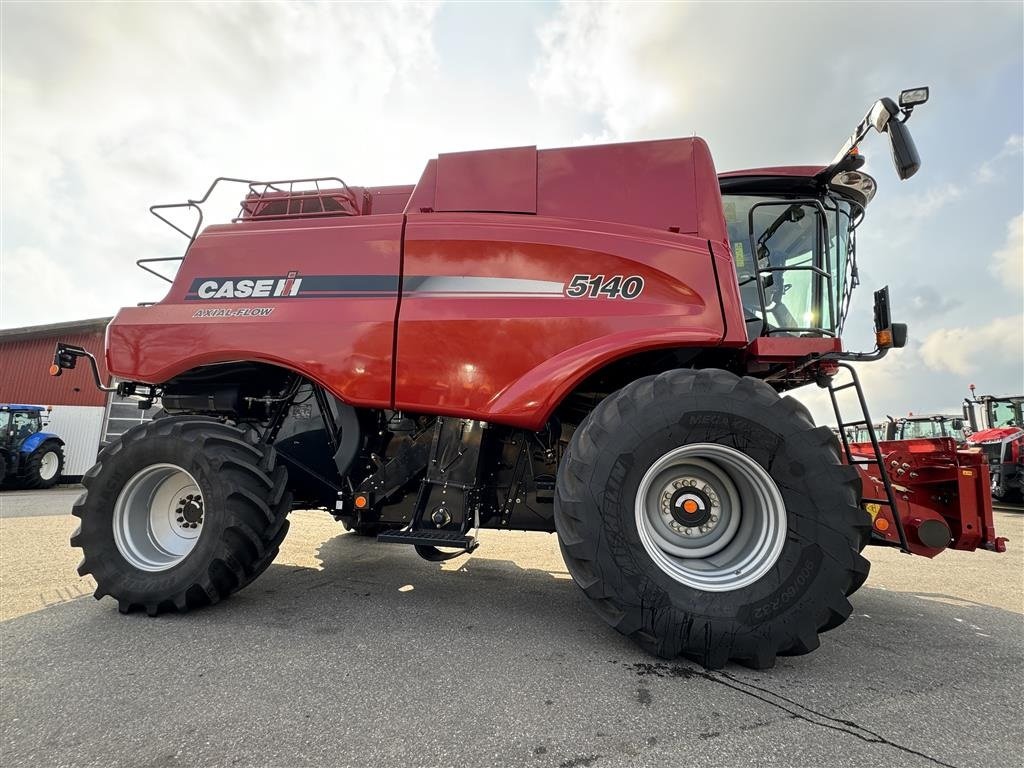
(259, 192)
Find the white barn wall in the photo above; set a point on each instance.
(80, 427)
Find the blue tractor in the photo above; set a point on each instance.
(29, 457)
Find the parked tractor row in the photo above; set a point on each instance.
(991, 424)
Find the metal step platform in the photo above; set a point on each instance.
(430, 538)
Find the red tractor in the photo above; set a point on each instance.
(590, 341)
(1000, 435)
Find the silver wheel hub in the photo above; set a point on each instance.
(710, 517)
(48, 465)
(158, 517)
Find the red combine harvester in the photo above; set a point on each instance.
(1000, 435)
(590, 341)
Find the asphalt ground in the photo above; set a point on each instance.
(348, 652)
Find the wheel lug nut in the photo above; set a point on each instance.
(714, 518)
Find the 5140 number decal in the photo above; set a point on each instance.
(596, 286)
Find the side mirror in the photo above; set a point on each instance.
(958, 425)
(904, 153)
(969, 415)
(899, 335)
(888, 335)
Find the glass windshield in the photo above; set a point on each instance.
(5, 419)
(25, 424)
(862, 435)
(1005, 413)
(930, 428)
(803, 253)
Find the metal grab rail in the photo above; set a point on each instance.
(876, 451)
(260, 194)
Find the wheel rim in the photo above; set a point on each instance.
(158, 517)
(710, 517)
(48, 465)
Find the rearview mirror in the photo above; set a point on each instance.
(904, 153)
(899, 335)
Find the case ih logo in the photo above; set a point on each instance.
(246, 287)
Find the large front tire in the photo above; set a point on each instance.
(179, 513)
(705, 516)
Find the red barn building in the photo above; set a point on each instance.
(83, 416)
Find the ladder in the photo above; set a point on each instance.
(876, 458)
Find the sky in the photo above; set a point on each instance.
(109, 108)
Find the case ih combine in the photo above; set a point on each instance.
(590, 341)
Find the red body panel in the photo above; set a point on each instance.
(510, 358)
(344, 343)
(648, 210)
(995, 435)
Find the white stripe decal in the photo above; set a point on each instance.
(485, 286)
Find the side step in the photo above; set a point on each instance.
(428, 538)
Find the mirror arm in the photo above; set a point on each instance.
(857, 357)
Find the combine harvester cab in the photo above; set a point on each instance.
(592, 341)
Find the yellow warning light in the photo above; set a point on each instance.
(883, 338)
(361, 501)
(881, 524)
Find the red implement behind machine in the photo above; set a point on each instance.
(591, 341)
(941, 492)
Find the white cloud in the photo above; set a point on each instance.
(992, 168)
(972, 350)
(891, 386)
(932, 200)
(1008, 262)
(110, 108)
(646, 70)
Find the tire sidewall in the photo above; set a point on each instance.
(804, 573)
(121, 463)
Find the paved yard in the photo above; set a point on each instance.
(349, 652)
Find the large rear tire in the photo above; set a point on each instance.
(179, 513)
(705, 516)
(44, 466)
